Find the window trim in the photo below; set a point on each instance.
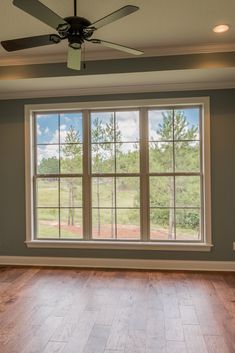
(126, 104)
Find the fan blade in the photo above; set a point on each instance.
(74, 58)
(114, 16)
(36, 9)
(117, 46)
(30, 42)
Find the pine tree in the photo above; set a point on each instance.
(178, 125)
(71, 163)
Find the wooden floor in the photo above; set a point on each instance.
(89, 311)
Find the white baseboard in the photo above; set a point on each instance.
(186, 265)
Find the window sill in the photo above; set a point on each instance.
(163, 246)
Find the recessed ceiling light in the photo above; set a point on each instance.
(221, 28)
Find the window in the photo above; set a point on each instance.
(115, 184)
(58, 175)
(175, 176)
(119, 174)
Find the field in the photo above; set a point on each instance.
(107, 222)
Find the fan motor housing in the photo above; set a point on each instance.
(77, 24)
(76, 34)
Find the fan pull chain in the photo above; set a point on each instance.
(84, 57)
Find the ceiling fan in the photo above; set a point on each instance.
(75, 29)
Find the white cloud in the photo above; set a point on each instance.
(128, 123)
(47, 151)
(129, 147)
(63, 127)
(55, 137)
(67, 118)
(63, 134)
(39, 132)
(155, 119)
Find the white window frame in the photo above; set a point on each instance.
(30, 110)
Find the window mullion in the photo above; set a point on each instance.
(34, 173)
(59, 215)
(115, 177)
(174, 189)
(86, 177)
(144, 182)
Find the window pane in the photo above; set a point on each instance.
(161, 191)
(71, 223)
(47, 192)
(186, 124)
(188, 224)
(160, 125)
(103, 158)
(71, 159)
(102, 127)
(187, 156)
(70, 192)
(127, 158)
(161, 157)
(187, 191)
(128, 192)
(103, 192)
(103, 223)
(71, 128)
(48, 223)
(47, 128)
(128, 224)
(127, 126)
(162, 224)
(48, 159)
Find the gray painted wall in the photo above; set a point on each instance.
(12, 189)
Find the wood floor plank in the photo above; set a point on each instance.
(80, 336)
(174, 329)
(194, 339)
(41, 337)
(188, 315)
(97, 339)
(155, 323)
(176, 347)
(54, 347)
(119, 330)
(156, 345)
(216, 344)
(136, 341)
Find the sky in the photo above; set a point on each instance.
(156, 119)
(49, 132)
(127, 122)
(48, 127)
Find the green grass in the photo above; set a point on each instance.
(46, 231)
(127, 196)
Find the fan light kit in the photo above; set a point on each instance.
(75, 29)
(221, 28)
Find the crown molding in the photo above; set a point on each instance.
(169, 87)
(22, 59)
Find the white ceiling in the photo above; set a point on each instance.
(158, 24)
